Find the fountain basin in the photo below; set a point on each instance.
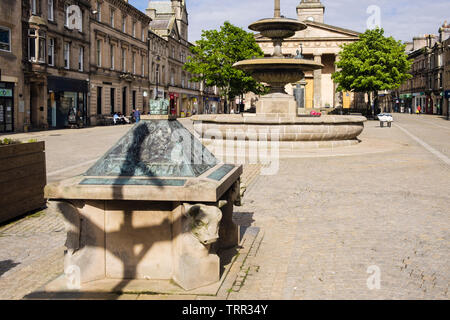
(277, 72)
(324, 128)
(277, 28)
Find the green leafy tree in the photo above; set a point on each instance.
(374, 63)
(214, 55)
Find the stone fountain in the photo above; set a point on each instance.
(277, 111)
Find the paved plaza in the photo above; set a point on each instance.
(326, 219)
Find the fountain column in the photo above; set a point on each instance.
(317, 83)
(277, 11)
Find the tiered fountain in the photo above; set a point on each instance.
(277, 111)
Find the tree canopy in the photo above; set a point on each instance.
(374, 63)
(214, 55)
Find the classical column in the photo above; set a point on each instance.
(317, 83)
(337, 95)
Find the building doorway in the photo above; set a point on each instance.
(99, 100)
(6, 108)
(113, 99)
(124, 100)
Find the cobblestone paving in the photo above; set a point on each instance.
(31, 253)
(328, 220)
(324, 222)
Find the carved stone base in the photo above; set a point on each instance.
(147, 240)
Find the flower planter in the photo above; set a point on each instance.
(22, 179)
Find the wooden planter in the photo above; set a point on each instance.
(22, 179)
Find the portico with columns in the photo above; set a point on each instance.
(319, 42)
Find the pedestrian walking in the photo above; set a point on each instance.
(137, 115)
(418, 110)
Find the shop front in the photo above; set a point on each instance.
(6, 107)
(174, 103)
(189, 105)
(211, 105)
(67, 102)
(447, 103)
(406, 103)
(419, 99)
(438, 102)
(184, 110)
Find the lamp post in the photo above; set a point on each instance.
(157, 82)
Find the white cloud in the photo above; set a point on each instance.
(403, 19)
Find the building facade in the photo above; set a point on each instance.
(170, 24)
(13, 112)
(446, 77)
(56, 63)
(427, 87)
(319, 42)
(72, 63)
(119, 59)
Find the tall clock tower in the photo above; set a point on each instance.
(181, 16)
(310, 10)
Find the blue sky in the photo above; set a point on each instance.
(402, 19)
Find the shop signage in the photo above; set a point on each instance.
(5, 92)
(447, 94)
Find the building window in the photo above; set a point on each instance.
(67, 55)
(35, 7)
(112, 57)
(111, 17)
(66, 13)
(81, 59)
(50, 10)
(99, 53)
(36, 45)
(51, 52)
(124, 24)
(133, 62)
(5, 39)
(99, 11)
(124, 60)
(143, 34)
(143, 66)
(134, 29)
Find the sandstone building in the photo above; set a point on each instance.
(428, 87)
(13, 114)
(119, 59)
(56, 61)
(170, 23)
(70, 63)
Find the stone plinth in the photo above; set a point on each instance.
(276, 104)
(157, 206)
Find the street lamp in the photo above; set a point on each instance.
(157, 82)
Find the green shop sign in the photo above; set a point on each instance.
(5, 92)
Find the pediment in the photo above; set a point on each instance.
(323, 31)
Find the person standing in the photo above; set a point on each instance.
(137, 115)
(418, 110)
